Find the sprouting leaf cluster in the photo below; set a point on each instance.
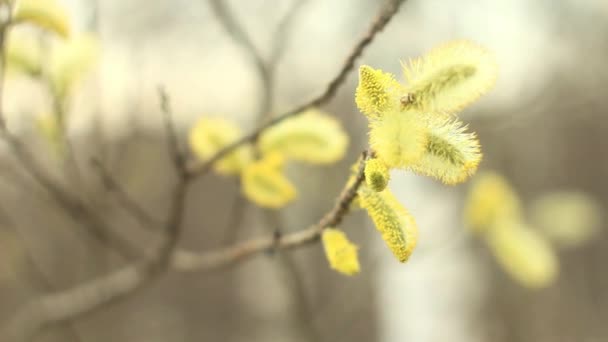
(413, 126)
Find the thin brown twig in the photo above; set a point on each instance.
(124, 199)
(389, 10)
(60, 113)
(71, 205)
(292, 280)
(173, 222)
(265, 69)
(283, 31)
(237, 213)
(176, 153)
(302, 311)
(177, 208)
(279, 42)
(238, 34)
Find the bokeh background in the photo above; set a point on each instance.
(543, 127)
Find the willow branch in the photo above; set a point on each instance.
(387, 13)
(174, 222)
(36, 271)
(62, 306)
(264, 68)
(123, 198)
(70, 204)
(189, 262)
(177, 154)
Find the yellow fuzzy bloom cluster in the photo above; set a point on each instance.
(493, 211)
(312, 136)
(340, 252)
(377, 92)
(46, 14)
(398, 138)
(412, 126)
(451, 154)
(396, 225)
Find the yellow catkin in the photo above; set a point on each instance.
(449, 77)
(399, 138)
(263, 183)
(377, 92)
(524, 254)
(312, 137)
(70, 60)
(397, 226)
(376, 174)
(47, 14)
(24, 53)
(490, 200)
(568, 218)
(452, 154)
(340, 252)
(209, 135)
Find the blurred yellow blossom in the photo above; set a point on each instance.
(209, 135)
(265, 184)
(491, 199)
(523, 253)
(568, 218)
(47, 14)
(313, 137)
